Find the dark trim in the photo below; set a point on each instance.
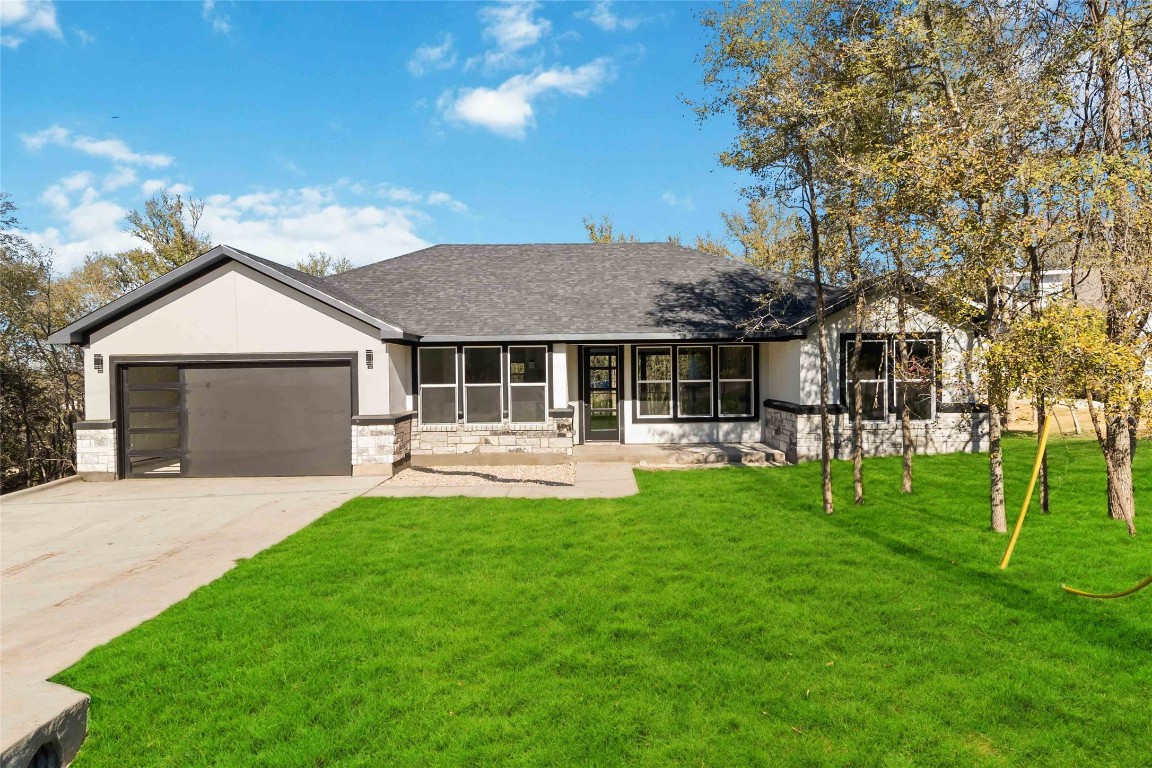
(80, 331)
(95, 424)
(391, 418)
(962, 408)
(802, 408)
(562, 413)
(608, 339)
(638, 420)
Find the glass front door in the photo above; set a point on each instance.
(601, 394)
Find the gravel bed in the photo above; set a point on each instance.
(514, 474)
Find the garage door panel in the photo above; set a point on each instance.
(267, 420)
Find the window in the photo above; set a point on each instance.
(483, 386)
(916, 379)
(437, 385)
(873, 378)
(735, 374)
(527, 384)
(694, 381)
(654, 381)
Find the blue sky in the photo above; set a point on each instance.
(363, 129)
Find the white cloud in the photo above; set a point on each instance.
(20, 19)
(445, 199)
(85, 38)
(220, 22)
(602, 15)
(430, 57)
(121, 176)
(676, 201)
(286, 225)
(109, 149)
(510, 28)
(507, 110)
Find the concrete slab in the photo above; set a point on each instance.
(85, 562)
(594, 480)
(679, 454)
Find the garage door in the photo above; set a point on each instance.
(201, 420)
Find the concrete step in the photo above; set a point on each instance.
(677, 454)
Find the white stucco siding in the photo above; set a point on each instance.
(784, 361)
(956, 352)
(558, 376)
(236, 310)
(399, 364)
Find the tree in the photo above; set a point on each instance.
(323, 264)
(604, 231)
(168, 227)
(774, 68)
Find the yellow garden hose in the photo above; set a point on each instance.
(1125, 593)
(1028, 496)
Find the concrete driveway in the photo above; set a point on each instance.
(81, 563)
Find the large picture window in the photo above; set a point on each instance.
(915, 380)
(873, 378)
(654, 381)
(527, 384)
(437, 375)
(694, 381)
(483, 385)
(735, 380)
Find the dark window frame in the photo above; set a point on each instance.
(890, 340)
(715, 417)
(504, 388)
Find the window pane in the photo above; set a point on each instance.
(919, 399)
(153, 441)
(483, 405)
(654, 365)
(735, 398)
(655, 399)
(154, 420)
(696, 399)
(873, 397)
(603, 400)
(528, 365)
(152, 374)
(482, 365)
(527, 403)
(695, 363)
(438, 405)
(605, 379)
(921, 359)
(438, 366)
(153, 398)
(735, 362)
(871, 360)
(600, 361)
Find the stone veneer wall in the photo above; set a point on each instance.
(555, 436)
(381, 444)
(96, 449)
(798, 434)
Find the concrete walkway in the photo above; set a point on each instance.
(86, 562)
(594, 480)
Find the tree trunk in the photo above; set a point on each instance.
(821, 335)
(858, 405)
(1118, 460)
(1042, 413)
(902, 374)
(999, 517)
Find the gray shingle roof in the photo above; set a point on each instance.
(579, 291)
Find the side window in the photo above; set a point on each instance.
(654, 381)
(873, 378)
(483, 386)
(735, 380)
(915, 380)
(527, 384)
(437, 385)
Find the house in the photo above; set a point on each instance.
(235, 365)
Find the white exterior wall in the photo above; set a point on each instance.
(399, 363)
(783, 360)
(236, 310)
(956, 348)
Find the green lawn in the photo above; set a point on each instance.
(717, 619)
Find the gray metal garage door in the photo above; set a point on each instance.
(243, 420)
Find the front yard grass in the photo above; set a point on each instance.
(716, 619)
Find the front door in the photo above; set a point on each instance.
(601, 394)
